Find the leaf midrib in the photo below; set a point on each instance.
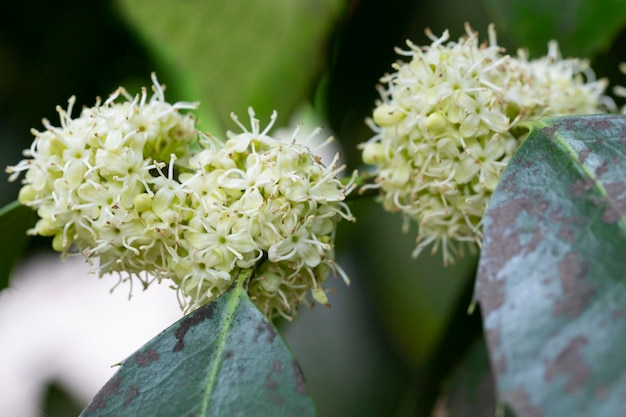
(571, 153)
(216, 362)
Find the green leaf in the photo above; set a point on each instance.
(15, 219)
(470, 390)
(239, 53)
(582, 27)
(415, 299)
(551, 279)
(225, 359)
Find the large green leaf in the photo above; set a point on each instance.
(15, 219)
(470, 390)
(239, 53)
(415, 299)
(551, 279)
(582, 27)
(225, 359)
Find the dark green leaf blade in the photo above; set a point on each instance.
(225, 359)
(470, 390)
(15, 219)
(582, 27)
(551, 280)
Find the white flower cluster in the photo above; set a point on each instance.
(121, 184)
(257, 200)
(449, 121)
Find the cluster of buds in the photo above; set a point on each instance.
(450, 119)
(122, 185)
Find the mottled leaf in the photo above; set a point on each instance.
(582, 27)
(239, 53)
(15, 219)
(224, 359)
(551, 279)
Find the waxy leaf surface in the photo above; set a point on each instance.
(551, 279)
(224, 359)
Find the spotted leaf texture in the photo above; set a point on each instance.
(552, 274)
(224, 359)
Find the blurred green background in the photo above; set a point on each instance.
(398, 340)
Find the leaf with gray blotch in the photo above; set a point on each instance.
(224, 359)
(551, 280)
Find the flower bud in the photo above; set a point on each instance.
(386, 115)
